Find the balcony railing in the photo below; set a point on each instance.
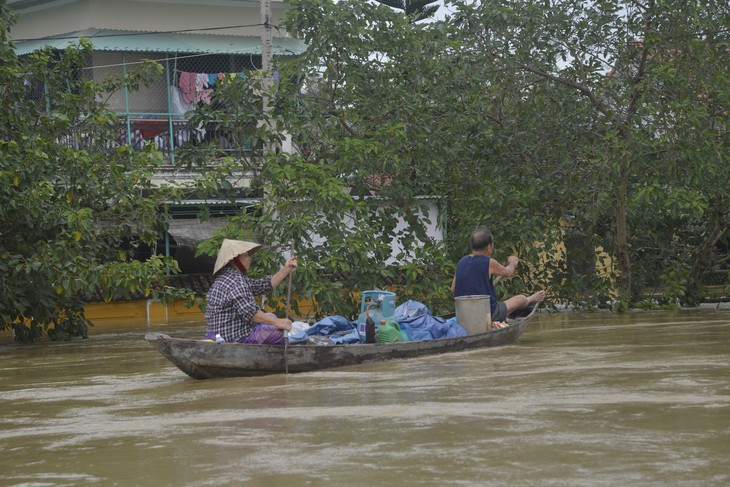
(168, 135)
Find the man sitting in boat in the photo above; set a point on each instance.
(474, 274)
(232, 311)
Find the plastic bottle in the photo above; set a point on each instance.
(369, 330)
(219, 338)
(403, 335)
(389, 331)
(377, 332)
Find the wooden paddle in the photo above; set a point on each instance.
(496, 280)
(288, 303)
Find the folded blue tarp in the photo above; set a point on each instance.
(420, 324)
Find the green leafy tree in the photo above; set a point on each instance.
(70, 197)
(357, 109)
(542, 121)
(389, 112)
(650, 81)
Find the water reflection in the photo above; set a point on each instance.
(583, 399)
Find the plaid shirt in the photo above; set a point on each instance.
(231, 304)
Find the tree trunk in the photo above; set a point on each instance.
(704, 257)
(622, 232)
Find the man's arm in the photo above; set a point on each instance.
(497, 269)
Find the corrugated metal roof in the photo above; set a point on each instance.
(130, 41)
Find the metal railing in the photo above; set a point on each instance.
(158, 112)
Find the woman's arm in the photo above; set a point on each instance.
(267, 319)
(289, 267)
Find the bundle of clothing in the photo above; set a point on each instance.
(197, 87)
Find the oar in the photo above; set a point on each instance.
(288, 302)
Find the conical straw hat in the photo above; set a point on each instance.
(230, 249)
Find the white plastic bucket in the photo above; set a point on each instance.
(474, 313)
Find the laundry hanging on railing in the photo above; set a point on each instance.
(194, 87)
(197, 87)
(178, 105)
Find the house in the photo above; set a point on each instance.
(188, 38)
(197, 43)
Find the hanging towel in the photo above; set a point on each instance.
(187, 86)
(179, 106)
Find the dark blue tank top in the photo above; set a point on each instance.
(472, 279)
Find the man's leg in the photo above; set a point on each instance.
(521, 301)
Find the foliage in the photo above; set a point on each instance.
(344, 242)
(70, 199)
(349, 199)
(547, 123)
(642, 88)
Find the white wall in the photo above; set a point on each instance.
(434, 230)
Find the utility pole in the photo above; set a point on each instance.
(267, 68)
(266, 48)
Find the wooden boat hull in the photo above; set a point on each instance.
(207, 360)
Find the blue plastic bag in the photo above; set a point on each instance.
(337, 328)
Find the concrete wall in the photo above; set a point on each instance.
(151, 98)
(60, 17)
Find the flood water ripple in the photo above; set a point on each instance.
(583, 399)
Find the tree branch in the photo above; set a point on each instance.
(585, 90)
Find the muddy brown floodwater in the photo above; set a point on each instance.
(583, 399)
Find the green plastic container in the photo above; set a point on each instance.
(390, 332)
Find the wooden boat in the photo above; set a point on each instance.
(206, 359)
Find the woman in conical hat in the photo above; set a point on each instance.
(231, 310)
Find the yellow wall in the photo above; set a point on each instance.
(604, 261)
(140, 310)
